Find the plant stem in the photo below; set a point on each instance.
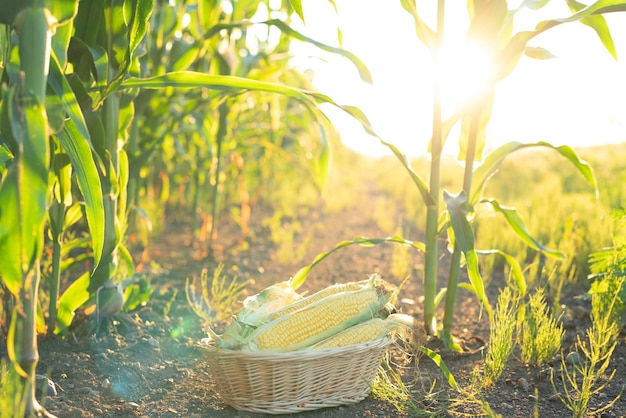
(58, 212)
(35, 37)
(455, 262)
(432, 212)
(219, 137)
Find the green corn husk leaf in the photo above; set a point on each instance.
(256, 308)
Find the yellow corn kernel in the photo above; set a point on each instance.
(318, 321)
(328, 291)
(366, 331)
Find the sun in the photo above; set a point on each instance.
(466, 73)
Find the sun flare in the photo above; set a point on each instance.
(466, 72)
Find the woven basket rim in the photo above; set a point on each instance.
(255, 380)
(210, 349)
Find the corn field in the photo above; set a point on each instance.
(128, 123)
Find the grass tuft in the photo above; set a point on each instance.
(542, 335)
(217, 296)
(501, 342)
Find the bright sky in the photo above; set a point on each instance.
(578, 98)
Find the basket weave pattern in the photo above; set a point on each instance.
(283, 383)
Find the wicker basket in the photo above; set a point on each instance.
(283, 383)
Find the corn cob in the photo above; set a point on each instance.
(370, 330)
(309, 300)
(318, 321)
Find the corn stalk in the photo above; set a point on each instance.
(24, 193)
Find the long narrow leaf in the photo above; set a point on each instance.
(516, 223)
(436, 358)
(464, 238)
(190, 79)
(598, 24)
(298, 279)
(82, 158)
(63, 90)
(494, 159)
(286, 29)
(588, 15)
(75, 296)
(422, 186)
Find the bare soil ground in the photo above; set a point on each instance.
(149, 365)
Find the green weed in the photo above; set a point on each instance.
(501, 341)
(406, 398)
(542, 334)
(587, 376)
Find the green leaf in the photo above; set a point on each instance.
(79, 152)
(298, 279)
(436, 358)
(507, 58)
(516, 223)
(191, 79)
(24, 191)
(137, 14)
(598, 24)
(297, 7)
(73, 298)
(516, 269)
(457, 206)
(5, 154)
(63, 90)
(494, 159)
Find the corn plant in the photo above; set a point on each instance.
(491, 25)
(24, 189)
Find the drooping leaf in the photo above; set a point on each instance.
(298, 279)
(286, 29)
(507, 59)
(534, 4)
(598, 24)
(516, 223)
(404, 160)
(494, 159)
